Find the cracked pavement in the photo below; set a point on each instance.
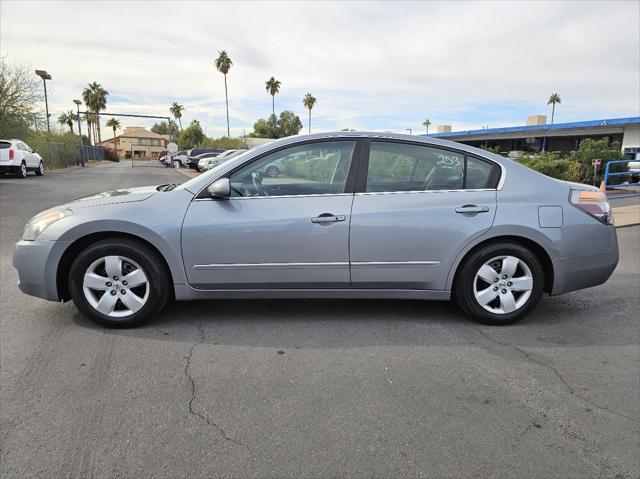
(313, 388)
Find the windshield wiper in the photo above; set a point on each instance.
(166, 187)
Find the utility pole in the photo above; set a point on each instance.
(78, 103)
(45, 76)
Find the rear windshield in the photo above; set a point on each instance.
(4, 145)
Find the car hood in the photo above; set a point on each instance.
(124, 195)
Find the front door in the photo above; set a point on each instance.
(417, 207)
(284, 230)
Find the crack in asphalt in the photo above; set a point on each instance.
(192, 399)
(528, 356)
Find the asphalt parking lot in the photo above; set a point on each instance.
(313, 388)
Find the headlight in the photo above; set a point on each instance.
(40, 222)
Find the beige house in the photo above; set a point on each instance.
(139, 142)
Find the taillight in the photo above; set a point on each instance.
(593, 203)
(11, 154)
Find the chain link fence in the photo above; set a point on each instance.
(56, 155)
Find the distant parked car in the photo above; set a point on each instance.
(177, 160)
(211, 162)
(197, 154)
(19, 158)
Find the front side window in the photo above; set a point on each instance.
(410, 167)
(311, 169)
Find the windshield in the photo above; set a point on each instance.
(212, 173)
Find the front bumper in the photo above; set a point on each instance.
(585, 271)
(37, 266)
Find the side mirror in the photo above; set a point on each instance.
(221, 188)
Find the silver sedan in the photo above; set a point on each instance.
(351, 215)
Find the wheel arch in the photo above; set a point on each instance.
(536, 248)
(72, 251)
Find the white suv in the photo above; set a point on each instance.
(17, 157)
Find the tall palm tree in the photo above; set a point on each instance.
(309, 101)
(273, 86)
(88, 117)
(115, 125)
(95, 97)
(176, 110)
(426, 123)
(223, 64)
(553, 99)
(67, 119)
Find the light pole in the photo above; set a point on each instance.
(78, 103)
(45, 76)
(409, 130)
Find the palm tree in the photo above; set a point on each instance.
(273, 86)
(176, 110)
(553, 99)
(426, 123)
(95, 97)
(67, 119)
(223, 64)
(88, 117)
(309, 101)
(115, 124)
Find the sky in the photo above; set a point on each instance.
(380, 66)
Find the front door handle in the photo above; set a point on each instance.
(328, 218)
(472, 209)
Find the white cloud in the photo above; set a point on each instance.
(370, 65)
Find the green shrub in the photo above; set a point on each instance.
(577, 166)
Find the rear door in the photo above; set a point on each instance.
(415, 208)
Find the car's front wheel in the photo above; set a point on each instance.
(499, 283)
(40, 170)
(119, 283)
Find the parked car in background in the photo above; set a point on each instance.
(211, 162)
(363, 215)
(198, 153)
(19, 158)
(177, 160)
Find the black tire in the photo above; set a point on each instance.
(272, 171)
(158, 279)
(22, 170)
(466, 277)
(40, 170)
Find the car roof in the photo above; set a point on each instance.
(427, 141)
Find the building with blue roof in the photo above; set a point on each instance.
(559, 137)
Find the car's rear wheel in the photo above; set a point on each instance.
(272, 171)
(119, 283)
(499, 283)
(22, 170)
(40, 170)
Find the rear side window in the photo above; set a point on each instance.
(5, 145)
(410, 167)
(479, 174)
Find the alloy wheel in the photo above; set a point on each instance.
(116, 286)
(503, 284)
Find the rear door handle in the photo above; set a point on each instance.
(328, 218)
(472, 209)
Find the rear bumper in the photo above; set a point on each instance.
(37, 264)
(9, 166)
(585, 271)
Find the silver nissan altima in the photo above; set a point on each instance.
(349, 215)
